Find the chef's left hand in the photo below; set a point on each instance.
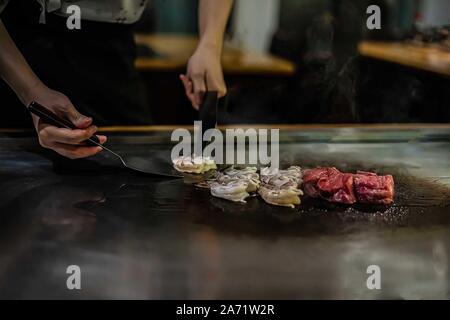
(204, 72)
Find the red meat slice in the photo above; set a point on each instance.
(335, 186)
(373, 189)
(329, 184)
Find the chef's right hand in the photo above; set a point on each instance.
(66, 142)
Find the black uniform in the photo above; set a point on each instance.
(93, 66)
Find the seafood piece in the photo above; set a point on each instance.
(281, 187)
(252, 181)
(291, 177)
(248, 175)
(235, 184)
(197, 165)
(234, 190)
(238, 172)
(288, 197)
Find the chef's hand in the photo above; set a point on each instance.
(204, 72)
(66, 142)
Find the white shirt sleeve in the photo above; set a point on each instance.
(3, 4)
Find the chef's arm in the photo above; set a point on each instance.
(19, 76)
(204, 70)
(213, 20)
(14, 69)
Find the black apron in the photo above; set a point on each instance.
(93, 66)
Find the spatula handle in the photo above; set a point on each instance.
(53, 119)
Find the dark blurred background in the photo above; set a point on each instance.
(306, 61)
(331, 80)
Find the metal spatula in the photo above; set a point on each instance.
(155, 168)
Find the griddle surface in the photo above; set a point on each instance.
(139, 237)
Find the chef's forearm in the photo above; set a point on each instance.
(14, 69)
(213, 17)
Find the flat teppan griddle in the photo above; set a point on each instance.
(142, 237)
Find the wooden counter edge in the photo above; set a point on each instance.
(380, 51)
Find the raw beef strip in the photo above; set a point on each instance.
(329, 184)
(374, 189)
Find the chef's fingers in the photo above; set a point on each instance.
(102, 139)
(187, 86)
(216, 84)
(188, 89)
(198, 81)
(68, 136)
(75, 152)
(222, 92)
(79, 120)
